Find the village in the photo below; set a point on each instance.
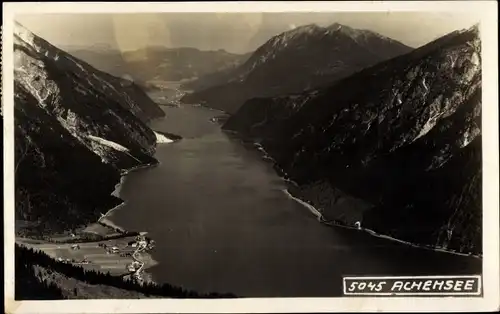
(140, 244)
(125, 256)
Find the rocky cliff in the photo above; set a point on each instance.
(306, 57)
(76, 129)
(402, 137)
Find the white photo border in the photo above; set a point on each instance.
(487, 16)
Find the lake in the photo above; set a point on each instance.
(222, 223)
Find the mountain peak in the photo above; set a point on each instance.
(474, 29)
(418, 115)
(23, 33)
(25, 38)
(302, 29)
(355, 33)
(344, 29)
(337, 26)
(301, 58)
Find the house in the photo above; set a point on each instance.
(131, 267)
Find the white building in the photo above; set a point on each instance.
(131, 267)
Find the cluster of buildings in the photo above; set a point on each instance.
(112, 249)
(72, 261)
(141, 243)
(135, 265)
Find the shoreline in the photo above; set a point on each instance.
(282, 174)
(373, 233)
(106, 221)
(311, 208)
(199, 105)
(124, 172)
(112, 233)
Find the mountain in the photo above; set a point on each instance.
(214, 78)
(76, 130)
(108, 60)
(158, 63)
(306, 57)
(396, 146)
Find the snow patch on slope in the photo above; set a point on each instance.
(108, 143)
(162, 139)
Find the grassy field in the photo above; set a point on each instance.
(99, 229)
(99, 259)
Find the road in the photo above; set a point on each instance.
(136, 256)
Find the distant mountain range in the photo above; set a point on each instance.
(396, 146)
(157, 63)
(303, 58)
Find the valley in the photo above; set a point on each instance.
(255, 242)
(328, 151)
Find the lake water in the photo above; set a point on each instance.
(222, 223)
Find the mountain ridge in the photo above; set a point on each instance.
(302, 58)
(76, 129)
(159, 62)
(392, 135)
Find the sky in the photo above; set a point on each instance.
(233, 32)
